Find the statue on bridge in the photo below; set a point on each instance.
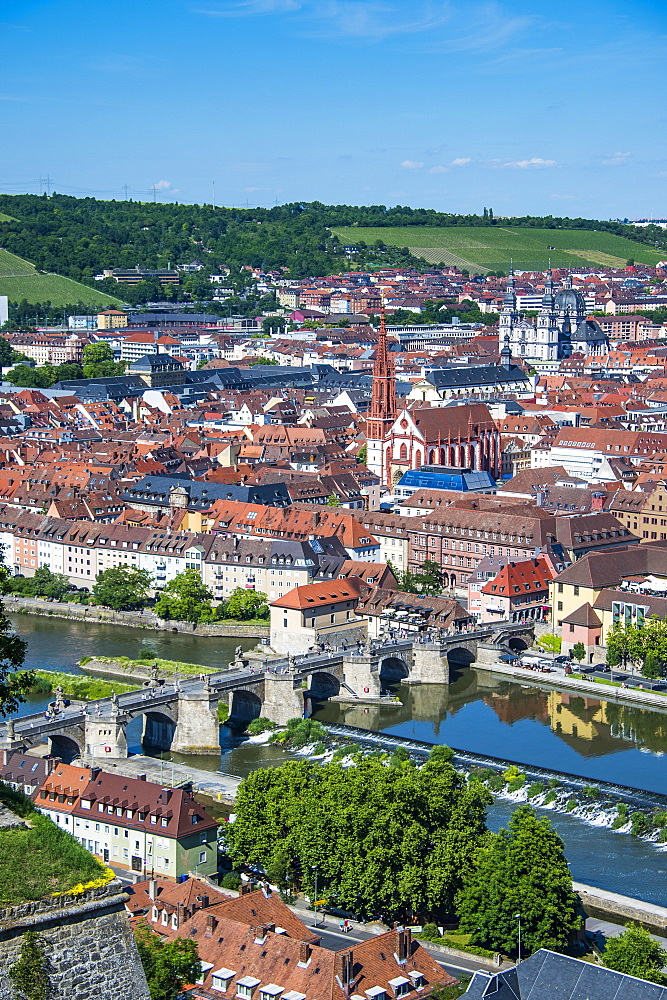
(59, 703)
(239, 662)
(115, 704)
(155, 678)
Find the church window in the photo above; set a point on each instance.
(404, 451)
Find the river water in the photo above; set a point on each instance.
(479, 712)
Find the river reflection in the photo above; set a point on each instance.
(484, 714)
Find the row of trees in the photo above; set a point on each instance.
(399, 841)
(185, 598)
(643, 646)
(427, 581)
(98, 362)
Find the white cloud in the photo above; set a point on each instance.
(411, 165)
(439, 169)
(461, 161)
(613, 159)
(162, 185)
(248, 8)
(534, 162)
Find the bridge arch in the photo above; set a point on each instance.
(460, 656)
(158, 729)
(65, 747)
(518, 644)
(393, 670)
(244, 707)
(323, 685)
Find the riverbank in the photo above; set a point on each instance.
(126, 669)
(134, 619)
(562, 681)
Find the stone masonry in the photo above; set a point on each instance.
(86, 940)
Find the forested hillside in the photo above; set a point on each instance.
(78, 237)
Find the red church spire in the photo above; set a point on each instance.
(383, 410)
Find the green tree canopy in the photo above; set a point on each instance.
(636, 953)
(169, 966)
(14, 682)
(185, 599)
(43, 584)
(244, 604)
(578, 651)
(632, 644)
(521, 869)
(98, 361)
(122, 587)
(385, 840)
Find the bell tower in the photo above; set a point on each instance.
(383, 410)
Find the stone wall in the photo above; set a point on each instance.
(86, 940)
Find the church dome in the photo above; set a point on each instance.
(569, 300)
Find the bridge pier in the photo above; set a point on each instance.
(429, 664)
(283, 698)
(361, 673)
(106, 738)
(197, 729)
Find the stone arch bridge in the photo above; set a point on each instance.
(184, 718)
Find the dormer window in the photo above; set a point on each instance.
(221, 978)
(245, 987)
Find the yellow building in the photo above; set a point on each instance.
(111, 319)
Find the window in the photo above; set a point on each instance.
(575, 591)
(202, 857)
(221, 978)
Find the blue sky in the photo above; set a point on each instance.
(449, 104)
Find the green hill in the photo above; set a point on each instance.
(19, 280)
(491, 248)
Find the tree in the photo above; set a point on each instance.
(185, 599)
(550, 643)
(244, 604)
(122, 587)
(14, 682)
(636, 953)
(387, 841)
(633, 643)
(47, 584)
(98, 361)
(168, 967)
(363, 453)
(578, 651)
(651, 667)
(521, 869)
(429, 579)
(333, 500)
(263, 361)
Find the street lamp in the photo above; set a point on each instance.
(316, 924)
(518, 917)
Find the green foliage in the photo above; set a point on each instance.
(232, 880)
(636, 953)
(640, 824)
(399, 756)
(300, 732)
(452, 992)
(651, 668)
(98, 361)
(185, 598)
(57, 861)
(550, 643)
(428, 581)
(516, 783)
(591, 791)
(550, 797)
(263, 361)
(167, 966)
(496, 783)
(223, 712)
(261, 725)
(618, 822)
(122, 587)
(571, 804)
(43, 584)
(363, 454)
(244, 605)
(383, 839)
(430, 932)
(521, 869)
(535, 789)
(14, 682)
(77, 686)
(639, 645)
(29, 975)
(578, 651)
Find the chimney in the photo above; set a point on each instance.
(403, 944)
(211, 923)
(247, 887)
(152, 888)
(343, 966)
(304, 953)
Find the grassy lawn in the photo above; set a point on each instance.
(165, 666)
(19, 279)
(491, 248)
(40, 859)
(81, 688)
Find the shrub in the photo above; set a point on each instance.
(319, 749)
(591, 791)
(618, 822)
(554, 783)
(496, 783)
(535, 789)
(639, 824)
(261, 725)
(232, 880)
(147, 654)
(662, 835)
(516, 783)
(551, 796)
(430, 932)
(571, 804)
(621, 808)
(511, 773)
(660, 818)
